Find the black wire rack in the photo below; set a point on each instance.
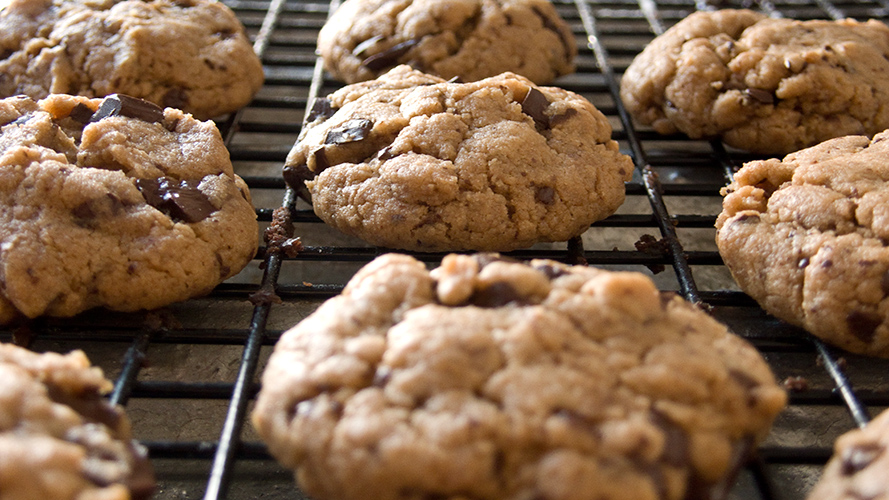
(188, 373)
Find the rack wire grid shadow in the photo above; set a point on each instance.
(187, 374)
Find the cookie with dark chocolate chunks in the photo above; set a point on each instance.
(806, 236)
(60, 436)
(414, 162)
(497, 379)
(466, 39)
(194, 56)
(115, 203)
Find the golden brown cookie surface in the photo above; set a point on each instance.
(410, 161)
(114, 202)
(469, 39)
(770, 86)
(192, 55)
(487, 378)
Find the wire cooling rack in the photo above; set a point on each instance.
(188, 373)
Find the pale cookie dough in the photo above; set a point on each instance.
(806, 237)
(413, 162)
(60, 439)
(858, 467)
(188, 54)
(770, 86)
(468, 39)
(114, 202)
(494, 379)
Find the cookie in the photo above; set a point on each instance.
(495, 379)
(858, 467)
(114, 202)
(770, 86)
(467, 39)
(188, 54)
(61, 439)
(413, 162)
(806, 237)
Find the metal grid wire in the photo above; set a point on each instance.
(188, 373)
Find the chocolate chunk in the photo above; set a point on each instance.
(761, 96)
(175, 98)
(321, 108)
(496, 295)
(362, 47)
(562, 117)
(884, 283)
(131, 107)
(389, 57)
(319, 158)
(534, 104)
(81, 113)
(803, 263)
(552, 26)
(550, 271)
(180, 200)
(351, 131)
(863, 325)
(296, 176)
(675, 442)
(545, 195)
(857, 458)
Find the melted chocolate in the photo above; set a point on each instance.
(181, 200)
(131, 107)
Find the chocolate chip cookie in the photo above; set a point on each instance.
(469, 39)
(806, 237)
(188, 54)
(770, 86)
(489, 378)
(60, 438)
(858, 466)
(413, 162)
(114, 202)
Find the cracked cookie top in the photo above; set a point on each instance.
(188, 54)
(488, 378)
(114, 202)
(61, 439)
(469, 39)
(770, 86)
(413, 162)
(807, 238)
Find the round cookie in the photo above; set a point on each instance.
(188, 54)
(858, 467)
(769, 86)
(114, 202)
(495, 379)
(411, 161)
(60, 439)
(806, 237)
(468, 39)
